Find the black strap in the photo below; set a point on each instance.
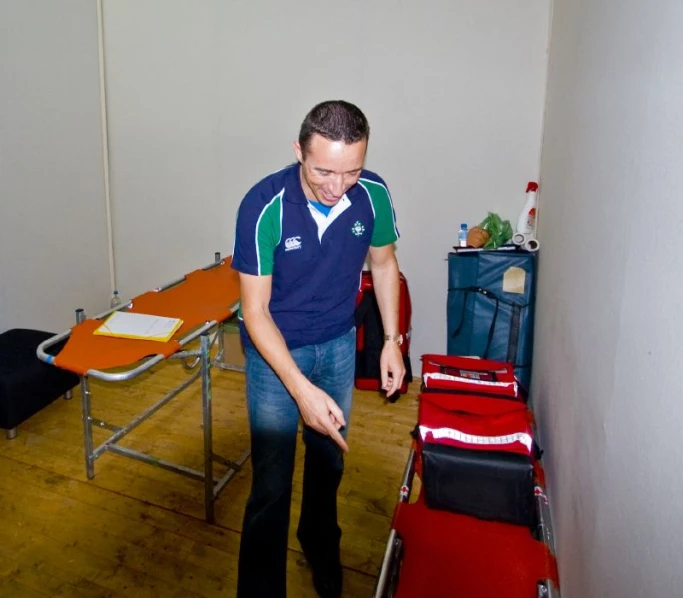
(363, 306)
(515, 323)
(513, 339)
(492, 327)
(466, 293)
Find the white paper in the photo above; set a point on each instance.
(127, 324)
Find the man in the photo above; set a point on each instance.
(303, 235)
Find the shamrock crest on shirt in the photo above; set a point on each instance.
(358, 229)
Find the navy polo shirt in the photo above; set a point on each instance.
(315, 260)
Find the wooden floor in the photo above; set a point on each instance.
(137, 530)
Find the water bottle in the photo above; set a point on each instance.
(115, 299)
(462, 235)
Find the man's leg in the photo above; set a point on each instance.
(318, 531)
(273, 421)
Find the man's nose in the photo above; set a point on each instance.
(338, 185)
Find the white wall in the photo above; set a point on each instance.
(206, 98)
(53, 246)
(608, 380)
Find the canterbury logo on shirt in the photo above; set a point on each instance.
(292, 243)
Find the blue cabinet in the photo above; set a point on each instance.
(491, 300)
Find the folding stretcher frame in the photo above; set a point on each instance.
(389, 575)
(204, 299)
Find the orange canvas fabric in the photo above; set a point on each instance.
(204, 296)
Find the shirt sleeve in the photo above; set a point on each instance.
(385, 231)
(258, 233)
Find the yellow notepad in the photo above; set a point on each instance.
(124, 324)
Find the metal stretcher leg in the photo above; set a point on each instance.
(87, 428)
(220, 362)
(208, 430)
(211, 490)
(546, 589)
(86, 409)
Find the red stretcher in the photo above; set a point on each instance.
(440, 553)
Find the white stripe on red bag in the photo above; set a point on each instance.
(453, 434)
(447, 378)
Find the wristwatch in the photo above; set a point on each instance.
(397, 338)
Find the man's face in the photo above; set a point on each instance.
(330, 168)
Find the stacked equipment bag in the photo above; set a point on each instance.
(474, 440)
(478, 525)
(370, 335)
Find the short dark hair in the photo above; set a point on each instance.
(335, 120)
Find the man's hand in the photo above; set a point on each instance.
(320, 412)
(318, 409)
(391, 362)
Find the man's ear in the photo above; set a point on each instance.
(297, 151)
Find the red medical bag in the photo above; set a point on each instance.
(474, 439)
(467, 375)
(370, 335)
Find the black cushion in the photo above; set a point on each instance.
(26, 383)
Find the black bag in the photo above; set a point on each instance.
(492, 485)
(370, 336)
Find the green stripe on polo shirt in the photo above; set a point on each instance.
(268, 234)
(385, 231)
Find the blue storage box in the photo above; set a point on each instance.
(491, 300)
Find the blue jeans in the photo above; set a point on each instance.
(273, 421)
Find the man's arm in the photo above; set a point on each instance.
(317, 408)
(385, 279)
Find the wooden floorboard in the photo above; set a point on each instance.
(137, 530)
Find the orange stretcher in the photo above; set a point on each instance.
(204, 300)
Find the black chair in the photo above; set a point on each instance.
(26, 383)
